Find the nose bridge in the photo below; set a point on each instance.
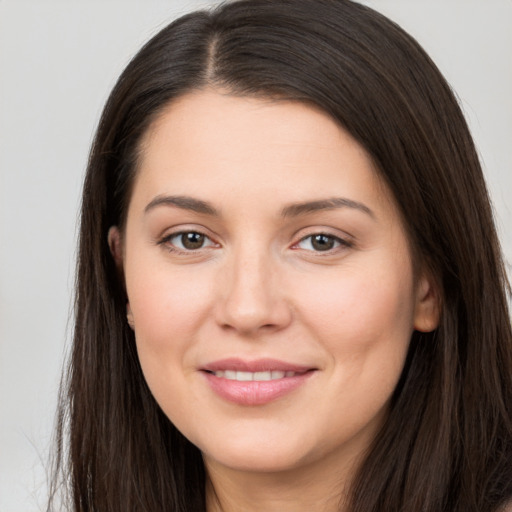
(251, 298)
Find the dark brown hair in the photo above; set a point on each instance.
(447, 443)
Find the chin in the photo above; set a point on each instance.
(256, 454)
(257, 461)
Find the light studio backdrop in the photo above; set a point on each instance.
(58, 62)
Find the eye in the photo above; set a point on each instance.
(188, 241)
(321, 242)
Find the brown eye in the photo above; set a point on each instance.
(187, 241)
(192, 240)
(321, 242)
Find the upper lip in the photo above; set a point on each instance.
(257, 365)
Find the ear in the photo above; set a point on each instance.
(116, 246)
(427, 305)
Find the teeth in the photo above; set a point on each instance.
(253, 376)
(262, 376)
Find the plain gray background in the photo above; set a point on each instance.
(58, 62)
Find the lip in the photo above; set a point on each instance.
(258, 365)
(252, 393)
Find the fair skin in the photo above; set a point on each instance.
(258, 231)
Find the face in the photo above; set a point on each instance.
(269, 280)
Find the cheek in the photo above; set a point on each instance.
(363, 322)
(167, 308)
(360, 314)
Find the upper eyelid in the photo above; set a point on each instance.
(338, 234)
(342, 241)
(178, 230)
(174, 234)
(324, 233)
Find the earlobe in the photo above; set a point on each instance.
(129, 316)
(115, 245)
(428, 307)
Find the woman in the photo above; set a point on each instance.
(290, 294)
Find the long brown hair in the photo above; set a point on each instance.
(447, 443)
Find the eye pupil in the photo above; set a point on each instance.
(192, 240)
(322, 242)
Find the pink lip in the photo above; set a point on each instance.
(259, 365)
(255, 392)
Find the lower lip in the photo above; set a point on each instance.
(255, 392)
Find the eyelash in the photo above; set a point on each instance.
(339, 243)
(166, 241)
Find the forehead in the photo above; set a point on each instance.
(209, 143)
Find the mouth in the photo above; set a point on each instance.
(255, 382)
(241, 376)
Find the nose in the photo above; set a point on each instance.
(252, 299)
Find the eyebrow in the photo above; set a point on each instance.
(297, 209)
(292, 210)
(183, 202)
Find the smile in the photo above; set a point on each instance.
(256, 382)
(254, 376)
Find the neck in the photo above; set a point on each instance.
(301, 490)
